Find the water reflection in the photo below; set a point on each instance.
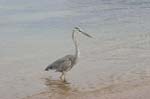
(58, 88)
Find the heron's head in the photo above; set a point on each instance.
(79, 30)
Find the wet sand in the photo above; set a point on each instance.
(130, 92)
(140, 93)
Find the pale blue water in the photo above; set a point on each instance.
(33, 33)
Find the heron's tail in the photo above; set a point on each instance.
(48, 67)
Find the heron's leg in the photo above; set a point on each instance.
(62, 75)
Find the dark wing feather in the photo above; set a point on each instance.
(61, 64)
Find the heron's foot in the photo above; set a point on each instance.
(61, 78)
(66, 82)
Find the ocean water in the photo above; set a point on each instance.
(34, 33)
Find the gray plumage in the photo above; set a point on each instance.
(65, 63)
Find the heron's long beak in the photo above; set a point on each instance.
(86, 34)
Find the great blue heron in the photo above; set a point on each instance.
(65, 63)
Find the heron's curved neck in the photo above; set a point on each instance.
(77, 52)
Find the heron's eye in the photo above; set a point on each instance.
(76, 28)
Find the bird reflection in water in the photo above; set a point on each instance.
(58, 88)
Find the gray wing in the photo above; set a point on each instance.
(62, 64)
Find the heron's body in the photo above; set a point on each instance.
(63, 64)
(66, 63)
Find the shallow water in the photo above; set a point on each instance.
(33, 34)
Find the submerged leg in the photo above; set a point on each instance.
(62, 75)
(65, 77)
